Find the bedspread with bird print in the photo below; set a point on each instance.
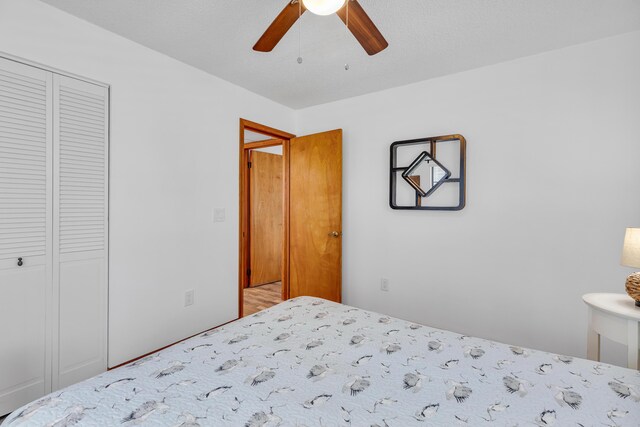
(311, 362)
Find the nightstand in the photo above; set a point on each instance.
(616, 317)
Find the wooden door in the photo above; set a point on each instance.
(315, 200)
(25, 233)
(265, 216)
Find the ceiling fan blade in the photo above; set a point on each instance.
(279, 27)
(363, 28)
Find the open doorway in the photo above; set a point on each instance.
(263, 225)
(309, 232)
(263, 287)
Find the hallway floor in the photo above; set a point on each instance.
(261, 297)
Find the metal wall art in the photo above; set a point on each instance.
(428, 173)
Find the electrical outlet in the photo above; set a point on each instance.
(189, 298)
(218, 215)
(384, 284)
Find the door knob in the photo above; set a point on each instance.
(335, 234)
(20, 262)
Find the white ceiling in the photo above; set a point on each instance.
(427, 38)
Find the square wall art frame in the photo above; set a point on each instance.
(402, 175)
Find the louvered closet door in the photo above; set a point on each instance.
(80, 229)
(25, 233)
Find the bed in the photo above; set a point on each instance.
(311, 362)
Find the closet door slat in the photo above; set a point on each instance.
(16, 139)
(21, 82)
(15, 147)
(21, 77)
(72, 111)
(13, 104)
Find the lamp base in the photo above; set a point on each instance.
(633, 287)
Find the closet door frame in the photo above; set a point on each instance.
(54, 70)
(52, 347)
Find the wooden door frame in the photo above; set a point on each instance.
(276, 138)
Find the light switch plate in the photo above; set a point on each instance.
(189, 298)
(219, 215)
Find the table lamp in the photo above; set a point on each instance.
(631, 258)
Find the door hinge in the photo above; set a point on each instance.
(248, 272)
(249, 165)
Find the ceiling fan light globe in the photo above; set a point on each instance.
(323, 7)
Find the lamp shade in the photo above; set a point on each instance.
(631, 248)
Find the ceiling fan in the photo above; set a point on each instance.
(353, 15)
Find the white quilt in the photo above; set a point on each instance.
(310, 362)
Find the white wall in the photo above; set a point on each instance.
(539, 230)
(174, 136)
(553, 180)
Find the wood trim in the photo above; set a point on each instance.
(241, 218)
(263, 144)
(265, 130)
(285, 221)
(278, 138)
(247, 225)
(170, 345)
